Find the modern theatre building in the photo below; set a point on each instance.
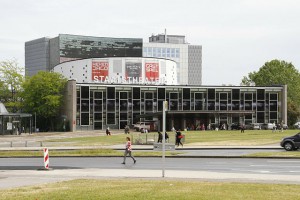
(117, 82)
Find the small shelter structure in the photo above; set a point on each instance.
(14, 123)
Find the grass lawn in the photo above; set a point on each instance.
(286, 154)
(232, 138)
(83, 152)
(128, 189)
(201, 138)
(227, 138)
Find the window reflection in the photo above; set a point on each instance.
(123, 105)
(173, 105)
(110, 105)
(149, 105)
(186, 105)
(136, 105)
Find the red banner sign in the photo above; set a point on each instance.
(99, 70)
(152, 71)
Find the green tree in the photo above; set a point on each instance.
(278, 72)
(293, 112)
(5, 94)
(11, 79)
(43, 95)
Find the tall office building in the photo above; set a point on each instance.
(174, 47)
(37, 56)
(45, 53)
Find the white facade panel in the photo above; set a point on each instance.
(128, 70)
(180, 54)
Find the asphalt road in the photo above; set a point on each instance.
(233, 165)
(16, 172)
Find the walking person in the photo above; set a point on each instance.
(166, 136)
(160, 137)
(178, 138)
(127, 130)
(274, 127)
(242, 128)
(128, 149)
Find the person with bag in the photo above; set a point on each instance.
(178, 138)
(128, 150)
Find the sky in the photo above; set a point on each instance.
(237, 36)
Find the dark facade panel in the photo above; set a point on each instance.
(73, 47)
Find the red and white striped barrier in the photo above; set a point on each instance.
(46, 158)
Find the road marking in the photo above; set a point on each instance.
(253, 171)
(263, 171)
(284, 161)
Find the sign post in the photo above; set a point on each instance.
(165, 108)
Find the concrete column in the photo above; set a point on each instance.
(184, 124)
(70, 104)
(284, 104)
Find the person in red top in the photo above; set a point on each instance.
(128, 151)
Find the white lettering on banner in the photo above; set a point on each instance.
(151, 68)
(100, 66)
(129, 80)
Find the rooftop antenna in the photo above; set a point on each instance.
(165, 35)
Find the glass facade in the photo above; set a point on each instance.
(73, 47)
(161, 52)
(115, 106)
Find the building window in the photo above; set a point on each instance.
(163, 52)
(136, 105)
(123, 105)
(177, 53)
(98, 105)
(85, 120)
(186, 93)
(110, 105)
(111, 118)
(85, 91)
(111, 93)
(260, 106)
(136, 92)
(149, 105)
(211, 94)
(260, 94)
(235, 94)
(186, 105)
(161, 93)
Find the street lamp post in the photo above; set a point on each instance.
(34, 121)
(13, 92)
(165, 108)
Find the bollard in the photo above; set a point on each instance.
(41, 144)
(46, 158)
(25, 143)
(11, 145)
